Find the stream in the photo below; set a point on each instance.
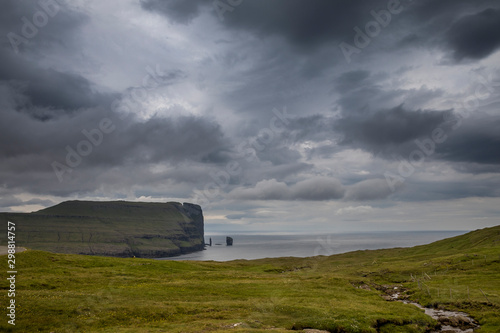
(451, 321)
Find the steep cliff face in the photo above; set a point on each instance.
(195, 214)
(116, 228)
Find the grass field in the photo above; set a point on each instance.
(340, 293)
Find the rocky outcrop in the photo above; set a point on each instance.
(116, 228)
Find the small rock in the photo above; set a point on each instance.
(452, 321)
(457, 321)
(463, 319)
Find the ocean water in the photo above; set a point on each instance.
(271, 246)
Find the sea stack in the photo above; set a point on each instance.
(229, 241)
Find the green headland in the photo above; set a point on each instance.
(339, 293)
(115, 228)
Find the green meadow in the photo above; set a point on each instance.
(339, 293)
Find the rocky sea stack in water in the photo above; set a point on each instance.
(114, 228)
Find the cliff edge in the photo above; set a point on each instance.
(113, 228)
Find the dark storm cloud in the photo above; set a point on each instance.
(349, 81)
(389, 128)
(473, 143)
(241, 79)
(361, 91)
(58, 29)
(463, 29)
(315, 127)
(53, 108)
(364, 92)
(28, 154)
(180, 11)
(475, 140)
(366, 123)
(283, 171)
(173, 139)
(475, 168)
(45, 91)
(475, 36)
(304, 24)
(279, 155)
(457, 24)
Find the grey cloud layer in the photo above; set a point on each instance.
(264, 54)
(475, 36)
(62, 24)
(178, 10)
(133, 143)
(476, 140)
(387, 129)
(44, 91)
(314, 189)
(471, 33)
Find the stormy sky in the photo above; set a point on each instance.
(274, 116)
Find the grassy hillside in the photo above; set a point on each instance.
(116, 228)
(340, 293)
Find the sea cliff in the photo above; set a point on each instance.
(112, 228)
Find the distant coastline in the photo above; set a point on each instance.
(257, 246)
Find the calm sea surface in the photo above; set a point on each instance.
(271, 246)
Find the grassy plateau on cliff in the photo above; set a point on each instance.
(339, 293)
(114, 228)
